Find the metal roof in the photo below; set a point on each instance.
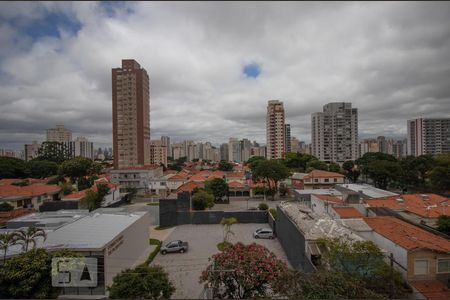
(367, 190)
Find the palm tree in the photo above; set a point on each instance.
(7, 240)
(29, 236)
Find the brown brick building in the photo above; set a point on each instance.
(131, 115)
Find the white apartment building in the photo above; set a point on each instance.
(275, 130)
(81, 147)
(158, 153)
(428, 136)
(59, 134)
(334, 133)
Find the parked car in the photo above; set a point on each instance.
(174, 246)
(264, 233)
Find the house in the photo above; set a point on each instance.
(322, 204)
(30, 196)
(424, 255)
(347, 212)
(418, 208)
(318, 179)
(365, 191)
(136, 177)
(5, 216)
(297, 180)
(111, 197)
(177, 180)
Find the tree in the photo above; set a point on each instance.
(143, 282)
(77, 167)
(362, 261)
(334, 167)
(351, 172)
(272, 171)
(53, 151)
(439, 176)
(66, 188)
(218, 187)
(443, 224)
(7, 240)
(316, 165)
(202, 199)
(323, 285)
(5, 206)
(11, 167)
(297, 161)
(225, 166)
(382, 172)
(227, 223)
(249, 271)
(253, 161)
(41, 168)
(28, 236)
(93, 200)
(28, 275)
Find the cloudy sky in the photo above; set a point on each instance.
(213, 66)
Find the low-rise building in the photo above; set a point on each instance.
(30, 196)
(136, 177)
(318, 179)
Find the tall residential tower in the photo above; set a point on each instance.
(131, 115)
(334, 133)
(275, 130)
(428, 136)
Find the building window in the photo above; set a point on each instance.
(443, 266)
(335, 180)
(327, 180)
(421, 267)
(316, 180)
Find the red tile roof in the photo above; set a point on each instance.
(9, 181)
(347, 212)
(190, 186)
(329, 198)
(9, 215)
(235, 174)
(235, 184)
(322, 174)
(201, 176)
(28, 191)
(75, 195)
(406, 235)
(432, 289)
(179, 176)
(415, 203)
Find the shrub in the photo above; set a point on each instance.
(273, 212)
(202, 200)
(263, 206)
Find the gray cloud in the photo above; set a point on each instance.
(391, 60)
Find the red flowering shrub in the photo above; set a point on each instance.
(244, 271)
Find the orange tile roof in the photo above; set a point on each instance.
(407, 235)
(75, 195)
(347, 212)
(167, 172)
(179, 176)
(432, 289)
(329, 198)
(28, 191)
(190, 186)
(201, 176)
(235, 174)
(322, 174)
(415, 203)
(9, 215)
(9, 181)
(235, 184)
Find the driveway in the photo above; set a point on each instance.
(185, 268)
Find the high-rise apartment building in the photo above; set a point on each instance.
(81, 147)
(131, 115)
(158, 153)
(334, 133)
(234, 150)
(32, 150)
(166, 142)
(287, 137)
(275, 131)
(224, 152)
(246, 146)
(428, 136)
(59, 134)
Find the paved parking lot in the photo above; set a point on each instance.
(185, 268)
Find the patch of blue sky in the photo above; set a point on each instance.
(252, 70)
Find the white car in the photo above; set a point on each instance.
(263, 233)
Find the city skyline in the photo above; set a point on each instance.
(59, 72)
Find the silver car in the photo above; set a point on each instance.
(263, 233)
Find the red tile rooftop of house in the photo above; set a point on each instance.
(432, 289)
(189, 186)
(347, 212)
(28, 191)
(235, 184)
(235, 174)
(322, 174)
(424, 205)
(407, 235)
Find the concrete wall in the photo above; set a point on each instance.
(167, 212)
(130, 248)
(293, 243)
(215, 216)
(57, 205)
